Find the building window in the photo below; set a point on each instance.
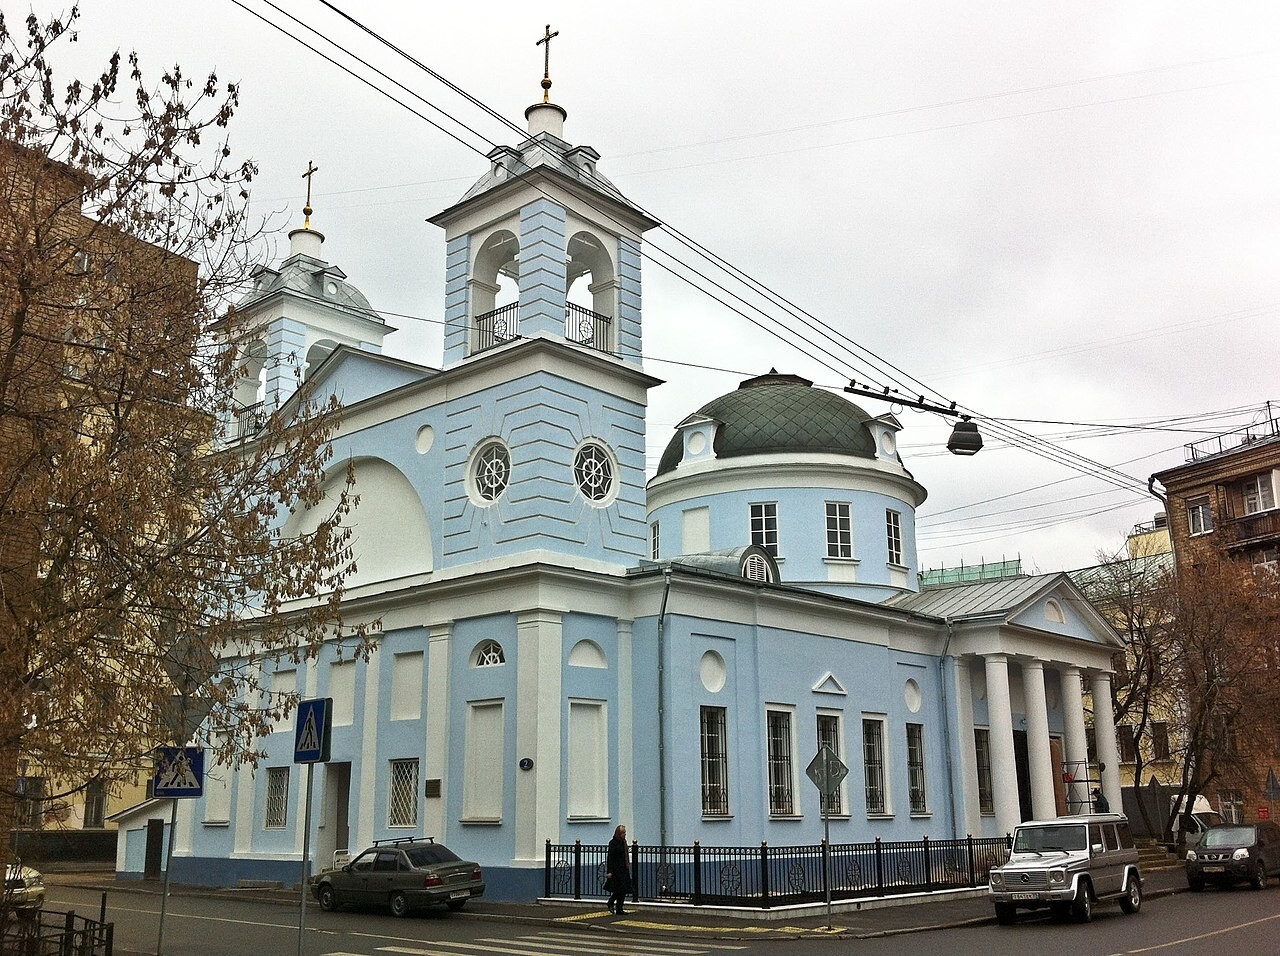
(491, 471)
(95, 805)
(277, 798)
(402, 795)
(485, 764)
(781, 790)
(1128, 743)
(715, 762)
(839, 530)
(764, 526)
(29, 812)
(915, 768)
(488, 654)
(829, 736)
(655, 541)
(1231, 806)
(1160, 740)
(873, 764)
(406, 686)
(1258, 494)
(593, 472)
(893, 532)
(1199, 515)
(982, 750)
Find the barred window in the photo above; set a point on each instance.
(715, 762)
(95, 804)
(829, 736)
(593, 472)
(277, 798)
(893, 533)
(873, 764)
(781, 796)
(402, 794)
(982, 749)
(839, 530)
(915, 769)
(764, 526)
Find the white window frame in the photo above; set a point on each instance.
(655, 541)
(764, 525)
(780, 745)
(713, 736)
(1199, 514)
(1259, 494)
(835, 803)
(875, 764)
(276, 799)
(402, 793)
(917, 775)
(839, 531)
(893, 536)
(1231, 806)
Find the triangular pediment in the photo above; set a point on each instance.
(829, 685)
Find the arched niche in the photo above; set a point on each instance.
(591, 274)
(587, 654)
(392, 532)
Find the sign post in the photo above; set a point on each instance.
(311, 738)
(179, 776)
(827, 771)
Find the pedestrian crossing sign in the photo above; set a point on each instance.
(179, 772)
(313, 730)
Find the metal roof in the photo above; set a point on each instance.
(978, 599)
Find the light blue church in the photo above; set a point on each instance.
(566, 645)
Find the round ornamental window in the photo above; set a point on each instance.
(593, 472)
(492, 471)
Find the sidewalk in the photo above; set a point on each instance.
(864, 920)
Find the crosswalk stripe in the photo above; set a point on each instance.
(561, 944)
(630, 942)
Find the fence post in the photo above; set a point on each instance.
(111, 935)
(879, 868)
(577, 869)
(973, 872)
(635, 871)
(546, 873)
(68, 934)
(697, 872)
(764, 874)
(928, 868)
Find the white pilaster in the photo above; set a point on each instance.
(1004, 772)
(626, 729)
(439, 732)
(1104, 733)
(539, 701)
(370, 759)
(1043, 805)
(963, 682)
(1076, 740)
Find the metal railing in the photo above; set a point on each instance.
(581, 325)
(1217, 444)
(53, 931)
(1243, 529)
(766, 876)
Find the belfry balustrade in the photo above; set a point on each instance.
(581, 325)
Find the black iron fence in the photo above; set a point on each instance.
(500, 325)
(45, 932)
(766, 876)
(586, 327)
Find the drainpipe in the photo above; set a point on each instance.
(662, 712)
(946, 732)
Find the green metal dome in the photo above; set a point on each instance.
(777, 413)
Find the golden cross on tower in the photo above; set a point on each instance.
(312, 169)
(546, 63)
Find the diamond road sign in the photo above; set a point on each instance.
(826, 771)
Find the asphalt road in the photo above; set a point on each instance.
(1238, 921)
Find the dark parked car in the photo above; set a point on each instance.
(1233, 853)
(402, 874)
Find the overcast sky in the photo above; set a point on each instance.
(1054, 212)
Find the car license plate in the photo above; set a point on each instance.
(1215, 869)
(1024, 896)
(460, 895)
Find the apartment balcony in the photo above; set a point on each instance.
(1246, 530)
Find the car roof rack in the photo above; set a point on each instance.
(392, 841)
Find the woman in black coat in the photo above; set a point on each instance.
(617, 871)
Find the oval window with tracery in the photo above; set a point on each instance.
(492, 471)
(593, 472)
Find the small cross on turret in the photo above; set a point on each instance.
(312, 169)
(546, 63)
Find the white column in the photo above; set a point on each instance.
(1104, 733)
(539, 704)
(439, 730)
(1077, 744)
(1004, 774)
(1043, 805)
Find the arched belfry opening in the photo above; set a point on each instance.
(592, 300)
(494, 290)
(316, 354)
(250, 388)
